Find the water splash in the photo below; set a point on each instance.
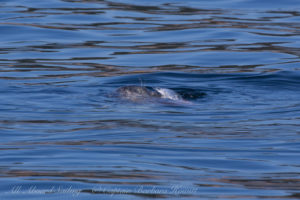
(168, 94)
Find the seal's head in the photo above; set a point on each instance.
(137, 93)
(141, 94)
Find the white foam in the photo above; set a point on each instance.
(168, 94)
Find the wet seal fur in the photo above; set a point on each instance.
(142, 94)
(134, 93)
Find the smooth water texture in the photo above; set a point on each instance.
(65, 134)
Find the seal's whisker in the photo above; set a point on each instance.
(141, 81)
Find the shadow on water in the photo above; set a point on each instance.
(61, 127)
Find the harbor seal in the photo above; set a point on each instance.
(141, 94)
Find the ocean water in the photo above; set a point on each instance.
(65, 134)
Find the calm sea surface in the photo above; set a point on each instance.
(64, 135)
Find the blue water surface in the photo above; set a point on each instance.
(66, 134)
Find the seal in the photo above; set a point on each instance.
(141, 94)
(137, 93)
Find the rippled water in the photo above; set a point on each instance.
(64, 135)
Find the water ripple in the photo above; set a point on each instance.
(65, 134)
